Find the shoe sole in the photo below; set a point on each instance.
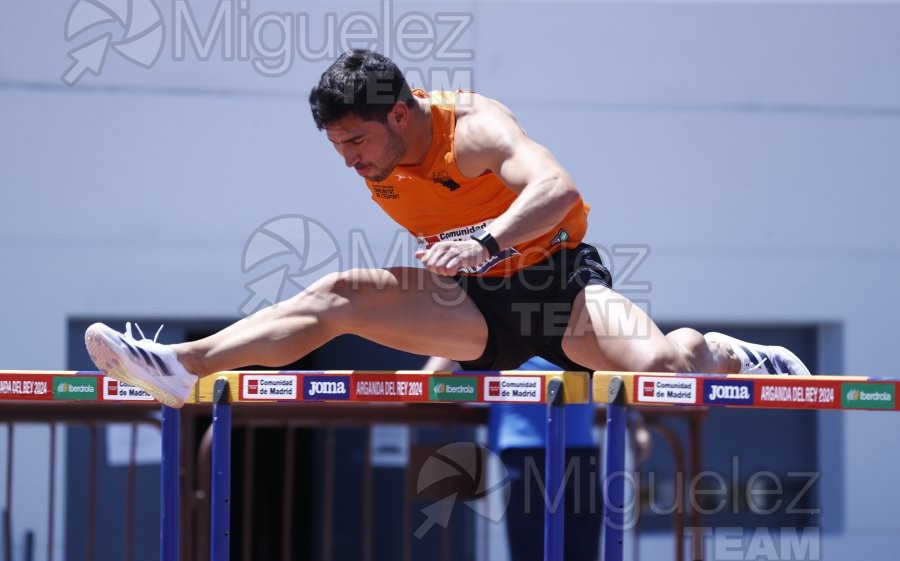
(108, 361)
(781, 350)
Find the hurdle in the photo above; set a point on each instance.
(554, 389)
(225, 389)
(617, 390)
(56, 397)
(620, 390)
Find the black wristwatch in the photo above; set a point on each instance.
(487, 240)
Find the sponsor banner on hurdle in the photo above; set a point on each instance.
(759, 391)
(326, 388)
(115, 390)
(389, 387)
(269, 387)
(293, 386)
(868, 395)
(798, 392)
(669, 390)
(67, 386)
(727, 391)
(27, 387)
(514, 389)
(78, 388)
(453, 388)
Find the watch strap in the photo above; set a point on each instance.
(487, 240)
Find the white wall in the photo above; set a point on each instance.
(754, 146)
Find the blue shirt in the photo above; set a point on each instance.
(518, 425)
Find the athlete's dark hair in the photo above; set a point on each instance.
(361, 82)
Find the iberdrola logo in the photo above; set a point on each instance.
(132, 28)
(75, 387)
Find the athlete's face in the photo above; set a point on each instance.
(372, 148)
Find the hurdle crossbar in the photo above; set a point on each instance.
(555, 389)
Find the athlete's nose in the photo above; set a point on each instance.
(351, 159)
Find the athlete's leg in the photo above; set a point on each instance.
(403, 308)
(408, 309)
(609, 332)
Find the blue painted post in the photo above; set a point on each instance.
(171, 497)
(614, 519)
(221, 472)
(554, 467)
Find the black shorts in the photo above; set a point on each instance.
(527, 312)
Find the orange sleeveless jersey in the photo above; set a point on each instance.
(435, 202)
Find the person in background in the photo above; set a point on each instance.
(517, 434)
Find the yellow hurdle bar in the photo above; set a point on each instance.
(401, 386)
(740, 390)
(404, 386)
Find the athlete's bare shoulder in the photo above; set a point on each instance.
(471, 103)
(485, 130)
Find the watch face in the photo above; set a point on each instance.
(487, 240)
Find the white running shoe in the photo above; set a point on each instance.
(762, 359)
(149, 365)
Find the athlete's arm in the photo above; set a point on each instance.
(488, 138)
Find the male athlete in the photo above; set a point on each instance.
(505, 274)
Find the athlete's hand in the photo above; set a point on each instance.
(447, 258)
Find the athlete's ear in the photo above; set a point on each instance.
(399, 113)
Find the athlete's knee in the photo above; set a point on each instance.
(332, 301)
(354, 288)
(323, 298)
(356, 284)
(657, 359)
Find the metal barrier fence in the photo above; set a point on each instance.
(555, 389)
(621, 390)
(24, 395)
